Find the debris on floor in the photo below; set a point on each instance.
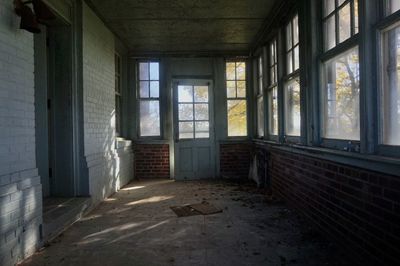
(138, 228)
(204, 208)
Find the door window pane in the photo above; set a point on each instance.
(237, 118)
(390, 92)
(185, 111)
(201, 94)
(185, 94)
(202, 130)
(186, 130)
(193, 112)
(292, 108)
(201, 111)
(149, 118)
(273, 111)
(341, 97)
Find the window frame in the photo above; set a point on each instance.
(139, 99)
(327, 55)
(272, 84)
(386, 21)
(296, 74)
(335, 13)
(246, 98)
(260, 91)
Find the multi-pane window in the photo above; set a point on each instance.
(341, 96)
(272, 94)
(118, 94)
(260, 98)
(390, 87)
(340, 21)
(149, 99)
(292, 107)
(392, 6)
(292, 45)
(193, 112)
(292, 85)
(236, 98)
(341, 91)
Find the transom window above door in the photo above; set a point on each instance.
(193, 112)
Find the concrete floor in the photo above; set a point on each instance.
(137, 227)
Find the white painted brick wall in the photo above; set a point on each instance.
(105, 164)
(20, 189)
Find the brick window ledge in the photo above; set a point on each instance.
(387, 165)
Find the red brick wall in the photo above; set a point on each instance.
(235, 159)
(358, 208)
(151, 160)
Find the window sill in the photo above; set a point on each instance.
(122, 143)
(387, 165)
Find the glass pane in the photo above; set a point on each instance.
(241, 71)
(273, 77)
(185, 111)
(296, 30)
(149, 118)
(329, 6)
(330, 33)
(289, 36)
(355, 15)
(272, 54)
(144, 89)
(289, 62)
(296, 58)
(344, 23)
(292, 108)
(201, 94)
(154, 71)
(341, 97)
(201, 112)
(185, 94)
(241, 89)
(340, 2)
(230, 71)
(273, 111)
(260, 116)
(231, 89)
(117, 84)
(237, 118)
(186, 130)
(390, 93)
(202, 130)
(393, 6)
(154, 89)
(260, 75)
(144, 71)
